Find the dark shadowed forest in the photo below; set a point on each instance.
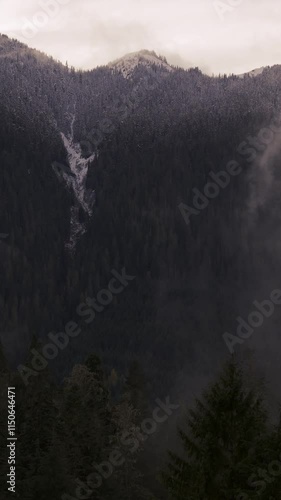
(140, 280)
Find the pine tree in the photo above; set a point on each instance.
(85, 419)
(127, 481)
(35, 424)
(222, 443)
(135, 389)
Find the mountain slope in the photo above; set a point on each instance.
(253, 73)
(143, 144)
(127, 64)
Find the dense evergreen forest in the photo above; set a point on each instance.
(168, 284)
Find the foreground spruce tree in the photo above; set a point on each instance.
(226, 442)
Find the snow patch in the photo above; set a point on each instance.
(129, 62)
(76, 180)
(253, 73)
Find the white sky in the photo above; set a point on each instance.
(88, 33)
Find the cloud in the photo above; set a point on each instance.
(88, 33)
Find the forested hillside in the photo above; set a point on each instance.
(154, 139)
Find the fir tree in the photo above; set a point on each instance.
(222, 442)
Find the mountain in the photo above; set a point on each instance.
(253, 73)
(140, 219)
(97, 174)
(145, 58)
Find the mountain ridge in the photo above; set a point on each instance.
(125, 64)
(130, 61)
(155, 137)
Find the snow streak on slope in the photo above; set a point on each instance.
(253, 73)
(76, 179)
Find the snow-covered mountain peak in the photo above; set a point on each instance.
(253, 73)
(129, 62)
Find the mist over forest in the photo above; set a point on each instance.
(140, 281)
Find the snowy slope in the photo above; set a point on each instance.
(129, 62)
(76, 180)
(253, 73)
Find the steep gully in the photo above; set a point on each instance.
(75, 179)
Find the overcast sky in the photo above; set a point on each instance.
(210, 34)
